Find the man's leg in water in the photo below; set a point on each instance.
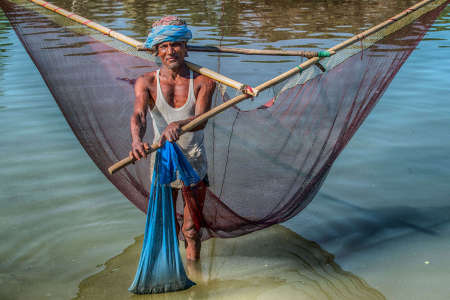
(194, 198)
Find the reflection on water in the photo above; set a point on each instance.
(4, 43)
(297, 23)
(274, 263)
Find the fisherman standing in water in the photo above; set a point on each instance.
(175, 95)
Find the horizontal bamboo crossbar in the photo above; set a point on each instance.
(307, 54)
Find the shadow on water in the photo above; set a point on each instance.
(356, 228)
(269, 264)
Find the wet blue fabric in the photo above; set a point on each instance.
(160, 267)
(172, 160)
(168, 33)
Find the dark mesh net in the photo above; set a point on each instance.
(266, 163)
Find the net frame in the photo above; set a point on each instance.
(246, 222)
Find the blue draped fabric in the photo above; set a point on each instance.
(160, 267)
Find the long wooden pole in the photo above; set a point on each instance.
(246, 51)
(342, 45)
(132, 42)
(382, 25)
(307, 54)
(216, 110)
(223, 79)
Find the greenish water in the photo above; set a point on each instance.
(383, 211)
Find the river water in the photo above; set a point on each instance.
(383, 212)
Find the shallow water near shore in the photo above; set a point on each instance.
(268, 264)
(383, 212)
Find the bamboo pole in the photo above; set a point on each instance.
(87, 22)
(223, 79)
(372, 30)
(132, 42)
(342, 45)
(307, 64)
(307, 54)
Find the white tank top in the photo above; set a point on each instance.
(191, 143)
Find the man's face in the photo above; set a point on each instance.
(172, 54)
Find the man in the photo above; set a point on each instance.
(174, 95)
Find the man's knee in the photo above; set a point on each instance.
(189, 231)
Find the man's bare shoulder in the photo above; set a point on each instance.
(204, 81)
(146, 80)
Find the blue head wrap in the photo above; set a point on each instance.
(168, 33)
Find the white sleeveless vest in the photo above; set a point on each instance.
(191, 143)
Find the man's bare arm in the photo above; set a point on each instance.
(202, 105)
(138, 122)
(204, 100)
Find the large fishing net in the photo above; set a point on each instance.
(267, 159)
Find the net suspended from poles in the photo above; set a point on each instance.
(265, 163)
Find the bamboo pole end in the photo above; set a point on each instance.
(141, 47)
(111, 170)
(121, 164)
